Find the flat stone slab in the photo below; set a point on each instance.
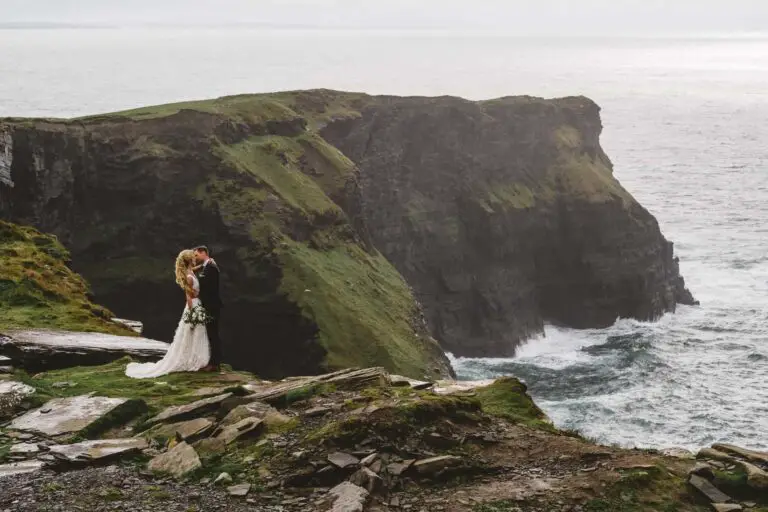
(18, 468)
(343, 460)
(24, 449)
(94, 451)
(199, 408)
(178, 461)
(46, 350)
(436, 464)
(184, 430)
(66, 415)
(239, 490)
(712, 493)
(399, 380)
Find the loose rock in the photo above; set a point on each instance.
(178, 461)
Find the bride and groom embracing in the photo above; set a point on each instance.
(196, 344)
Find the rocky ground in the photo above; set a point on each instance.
(90, 439)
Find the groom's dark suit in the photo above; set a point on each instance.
(208, 275)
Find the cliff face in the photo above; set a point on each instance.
(505, 214)
(304, 289)
(501, 215)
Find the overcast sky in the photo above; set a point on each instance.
(513, 16)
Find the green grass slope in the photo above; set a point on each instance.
(39, 290)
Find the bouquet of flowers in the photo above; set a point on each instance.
(197, 316)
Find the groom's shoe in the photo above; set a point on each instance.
(210, 368)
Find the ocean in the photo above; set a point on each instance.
(686, 124)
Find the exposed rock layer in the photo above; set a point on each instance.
(501, 215)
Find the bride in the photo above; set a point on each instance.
(190, 350)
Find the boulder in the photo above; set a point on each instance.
(194, 409)
(436, 464)
(709, 491)
(343, 460)
(47, 350)
(248, 426)
(178, 461)
(348, 497)
(712, 454)
(97, 451)
(210, 446)
(68, 415)
(756, 477)
(18, 468)
(750, 455)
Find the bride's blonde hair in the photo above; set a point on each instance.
(184, 263)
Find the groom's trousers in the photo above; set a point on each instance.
(213, 337)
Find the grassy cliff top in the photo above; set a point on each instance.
(38, 289)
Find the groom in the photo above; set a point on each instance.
(208, 275)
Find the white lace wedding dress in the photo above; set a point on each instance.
(189, 352)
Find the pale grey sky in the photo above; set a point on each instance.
(513, 16)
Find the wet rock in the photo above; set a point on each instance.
(343, 460)
(18, 468)
(96, 451)
(436, 464)
(248, 426)
(709, 491)
(370, 459)
(178, 461)
(449, 387)
(195, 409)
(348, 497)
(67, 415)
(47, 350)
(184, 431)
(239, 490)
(366, 479)
(24, 449)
